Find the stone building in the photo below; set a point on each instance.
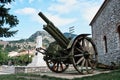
(106, 32)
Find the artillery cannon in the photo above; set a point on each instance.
(79, 51)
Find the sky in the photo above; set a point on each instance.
(63, 13)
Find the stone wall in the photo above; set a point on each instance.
(106, 24)
(25, 69)
(7, 69)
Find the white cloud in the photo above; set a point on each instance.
(33, 13)
(59, 21)
(89, 9)
(63, 6)
(86, 8)
(90, 12)
(26, 11)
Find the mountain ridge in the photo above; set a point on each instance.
(30, 43)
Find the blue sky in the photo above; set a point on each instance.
(63, 13)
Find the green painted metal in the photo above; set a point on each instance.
(54, 32)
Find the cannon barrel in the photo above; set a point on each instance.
(54, 32)
(44, 18)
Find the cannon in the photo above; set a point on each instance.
(79, 51)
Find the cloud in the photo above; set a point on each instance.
(33, 13)
(82, 7)
(26, 11)
(86, 8)
(88, 11)
(60, 21)
(63, 6)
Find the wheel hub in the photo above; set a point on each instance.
(86, 55)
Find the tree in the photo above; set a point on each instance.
(6, 1)
(6, 19)
(3, 56)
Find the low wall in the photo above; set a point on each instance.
(24, 69)
(7, 69)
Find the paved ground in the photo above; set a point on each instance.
(67, 75)
(2, 73)
(71, 75)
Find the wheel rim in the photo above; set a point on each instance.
(57, 66)
(84, 55)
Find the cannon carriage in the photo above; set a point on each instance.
(79, 51)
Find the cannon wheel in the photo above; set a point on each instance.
(84, 55)
(57, 66)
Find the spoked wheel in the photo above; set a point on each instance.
(57, 66)
(84, 55)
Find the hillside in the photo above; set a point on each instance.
(45, 36)
(30, 43)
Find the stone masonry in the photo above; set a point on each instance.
(106, 32)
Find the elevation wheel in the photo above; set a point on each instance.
(84, 55)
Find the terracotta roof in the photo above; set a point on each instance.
(99, 11)
(3, 42)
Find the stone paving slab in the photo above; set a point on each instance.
(2, 73)
(71, 75)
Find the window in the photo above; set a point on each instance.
(118, 30)
(105, 44)
(118, 35)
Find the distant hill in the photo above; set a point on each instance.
(68, 35)
(31, 41)
(44, 35)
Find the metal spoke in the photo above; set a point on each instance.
(90, 63)
(53, 67)
(83, 44)
(92, 51)
(86, 64)
(83, 53)
(78, 55)
(79, 50)
(57, 66)
(80, 42)
(87, 45)
(83, 63)
(80, 60)
(61, 66)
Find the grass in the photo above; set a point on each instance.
(114, 75)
